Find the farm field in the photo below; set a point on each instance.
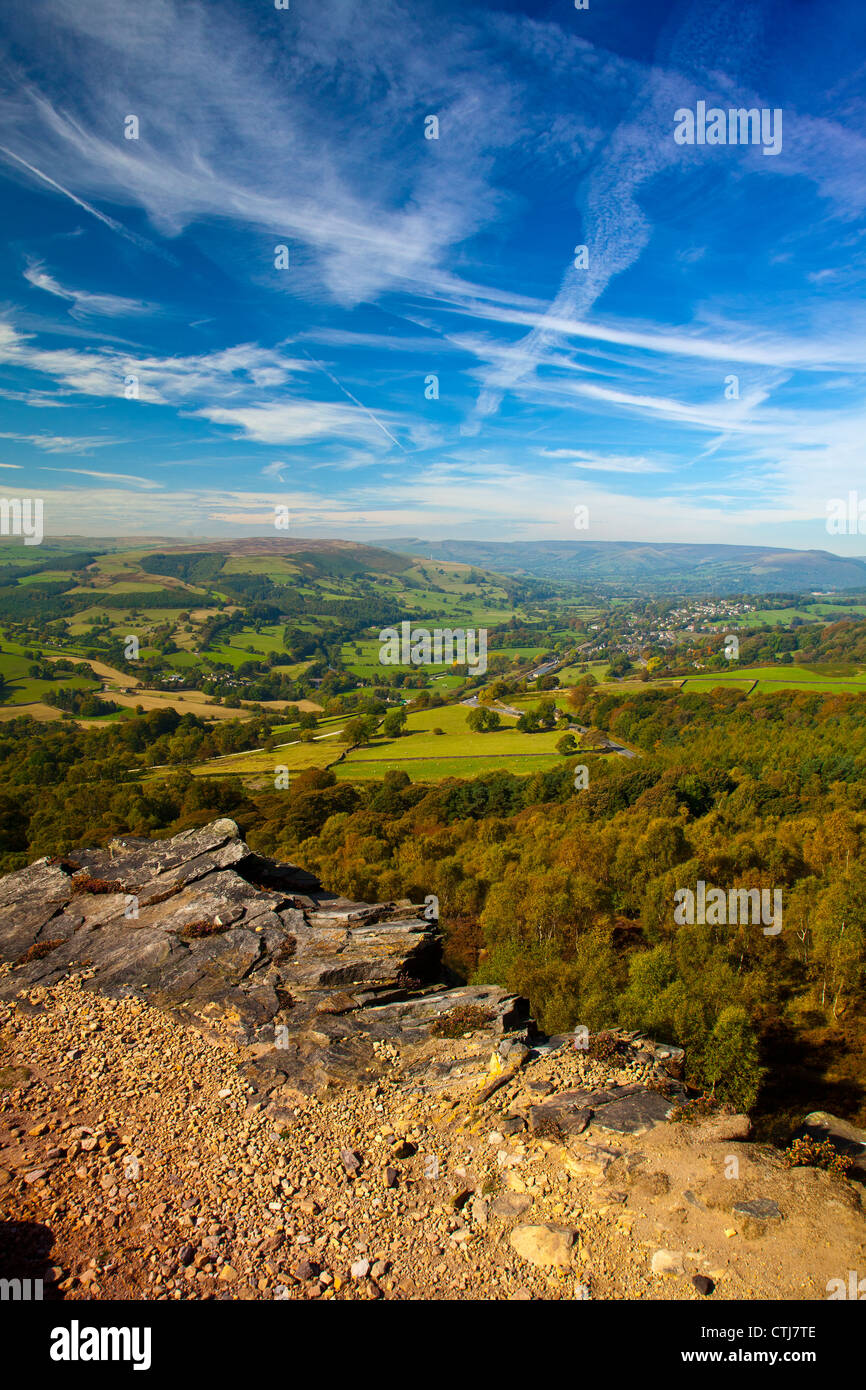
(99, 668)
(295, 756)
(23, 689)
(701, 684)
(46, 577)
(807, 612)
(122, 620)
(28, 691)
(185, 702)
(456, 742)
(766, 679)
(235, 650)
(46, 714)
(437, 769)
(362, 659)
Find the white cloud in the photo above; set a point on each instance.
(605, 463)
(84, 303)
(61, 444)
(110, 477)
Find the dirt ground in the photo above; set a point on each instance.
(135, 1162)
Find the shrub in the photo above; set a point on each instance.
(602, 1046)
(204, 927)
(698, 1109)
(38, 950)
(729, 1062)
(465, 1018)
(86, 884)
(817, 1153)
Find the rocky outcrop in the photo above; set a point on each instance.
(310, 984)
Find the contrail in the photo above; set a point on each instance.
(353, 399)
(94, 212)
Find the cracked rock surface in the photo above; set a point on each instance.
(309, 983)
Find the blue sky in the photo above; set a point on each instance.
(602, 385)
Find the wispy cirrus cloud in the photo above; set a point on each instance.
(84, 303)
(450, 257)
(109, 477)
(605, 463)
(60, 443)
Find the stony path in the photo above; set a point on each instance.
(133, 1165)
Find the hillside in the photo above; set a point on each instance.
(661, 567)
(271, 1103)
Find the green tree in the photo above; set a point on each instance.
(730, 1065)
(392, 726)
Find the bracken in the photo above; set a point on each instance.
(465, 1018)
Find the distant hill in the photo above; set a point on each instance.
(662, 567)
(314, 556)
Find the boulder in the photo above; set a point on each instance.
(198, 924)
(847, 1139)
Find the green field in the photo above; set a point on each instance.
(295, 756)
(292, 754)
(23, 689)
(427, 756)
(809, 612)
(367, 664)
(770, 678)
(280, 570)
(46, 577)
(701, 684)
(270, 639)
(437, 769)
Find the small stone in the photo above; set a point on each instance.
(545, 1245)
(703, 1285)
(513, 1124)
(227, 1274)
(480, 1211)
(390, 1177)
(403, 1149)
(306, 1269)
(350, 1160)
(667, 1262)
(360, 1269)
(763, 1209)
(511, 1204)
